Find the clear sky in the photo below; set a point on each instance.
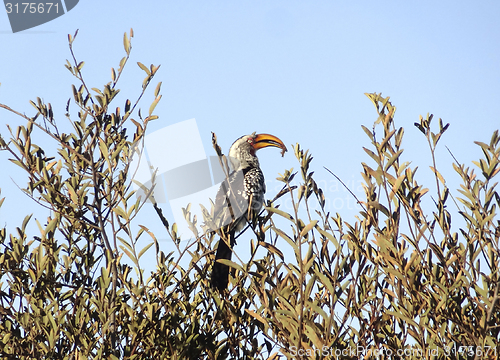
(295, 69)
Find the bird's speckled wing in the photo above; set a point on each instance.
(243, 190)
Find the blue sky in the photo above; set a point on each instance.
(294, 69)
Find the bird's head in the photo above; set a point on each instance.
(243, 150)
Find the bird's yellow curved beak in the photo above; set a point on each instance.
(265, 140)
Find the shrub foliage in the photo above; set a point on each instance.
(398, 282)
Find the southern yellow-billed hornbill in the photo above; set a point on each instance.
(240, 197)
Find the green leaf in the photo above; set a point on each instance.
(72, 194)
(157, 90)
(396, 186)
(119, 211)
(308, 228)
(367, 131)
(230, 264)
(313, 336)
(282, 234)
(125, 243)
(328, 236)
(146, 248)
(439, 176)
(393, 159)
(273, 249)
(372, 155)
(380, 207)
(129, 254)
(325, 281)
(126, 43)
(386, 140)
(51, 225)
(25, 221)
(257, 317)
(279, 212)
(399, 315)
(104, 149)
(143, 67)
(153, 105)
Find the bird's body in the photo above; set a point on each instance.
(240, 197)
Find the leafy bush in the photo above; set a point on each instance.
(396, 283)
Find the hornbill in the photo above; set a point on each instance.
(240, 197)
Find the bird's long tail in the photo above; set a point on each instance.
(220, 272)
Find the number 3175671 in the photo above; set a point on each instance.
(32, 8)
